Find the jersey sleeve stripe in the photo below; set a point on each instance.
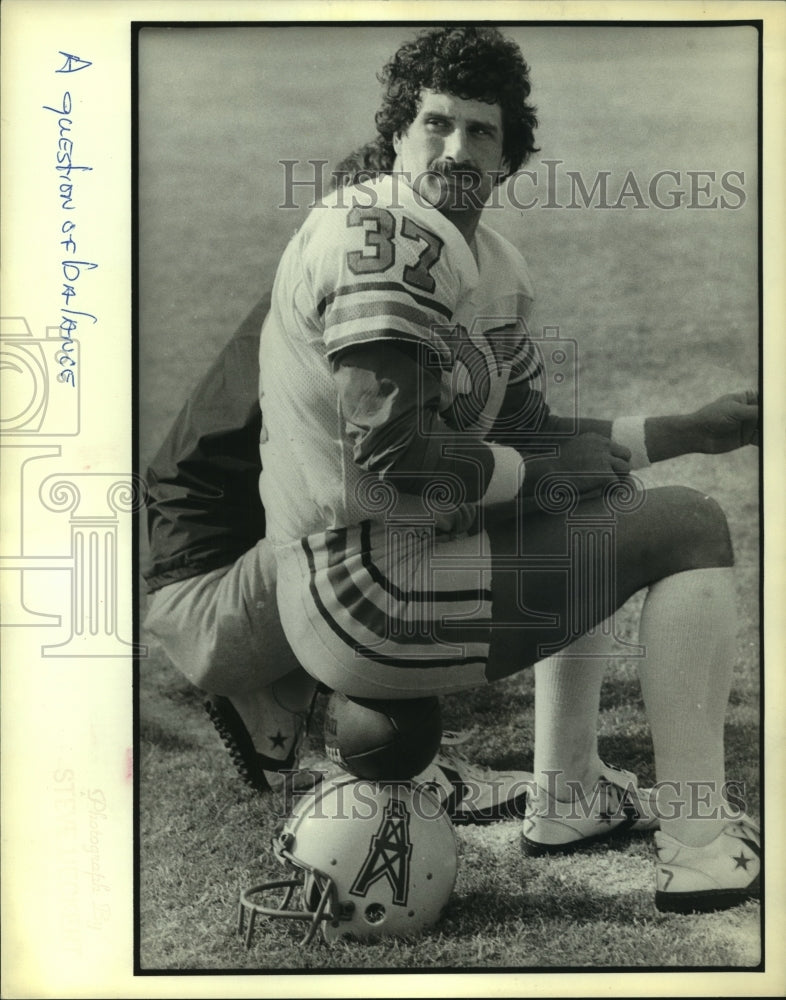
(364, 310)
(366, 335)
(383, 286)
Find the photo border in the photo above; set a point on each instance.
(32, 35)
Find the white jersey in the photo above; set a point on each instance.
(373, 263)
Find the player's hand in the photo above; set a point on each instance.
(589, 461)
(727, 423)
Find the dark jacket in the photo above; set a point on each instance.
(203, 506)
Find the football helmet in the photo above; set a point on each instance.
(369, 859)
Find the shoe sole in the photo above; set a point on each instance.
(248, 762)
(510, 809)
(707, 901)
(536, 849)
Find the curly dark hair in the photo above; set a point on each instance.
(362, 164)
(471, 62)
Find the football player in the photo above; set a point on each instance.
(210, 573)
(419, 542)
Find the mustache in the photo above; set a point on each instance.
(448, 168)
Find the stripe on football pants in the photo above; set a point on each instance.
(354, 596)
(379, 578)
(362, 649)
(399, 629)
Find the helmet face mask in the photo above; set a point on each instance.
(369, 860)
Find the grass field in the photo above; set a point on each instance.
(663, 306)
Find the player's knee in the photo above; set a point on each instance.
(702, 529)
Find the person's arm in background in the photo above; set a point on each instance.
(727, 423)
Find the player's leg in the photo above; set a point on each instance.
(222, 631)
(676, 544)
(567, 763)
(567, 683)
(676, 539)
(567, 697)
(708, 851)
(566, 759)
(370, 611)
(575, 569)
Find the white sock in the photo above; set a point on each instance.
(688, 628)
(567, 696)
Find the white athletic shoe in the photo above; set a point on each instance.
(616, 805)
(470, 793)
(265, 768)
(719, 875)
(467, 793)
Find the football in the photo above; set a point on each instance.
(391, 740)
